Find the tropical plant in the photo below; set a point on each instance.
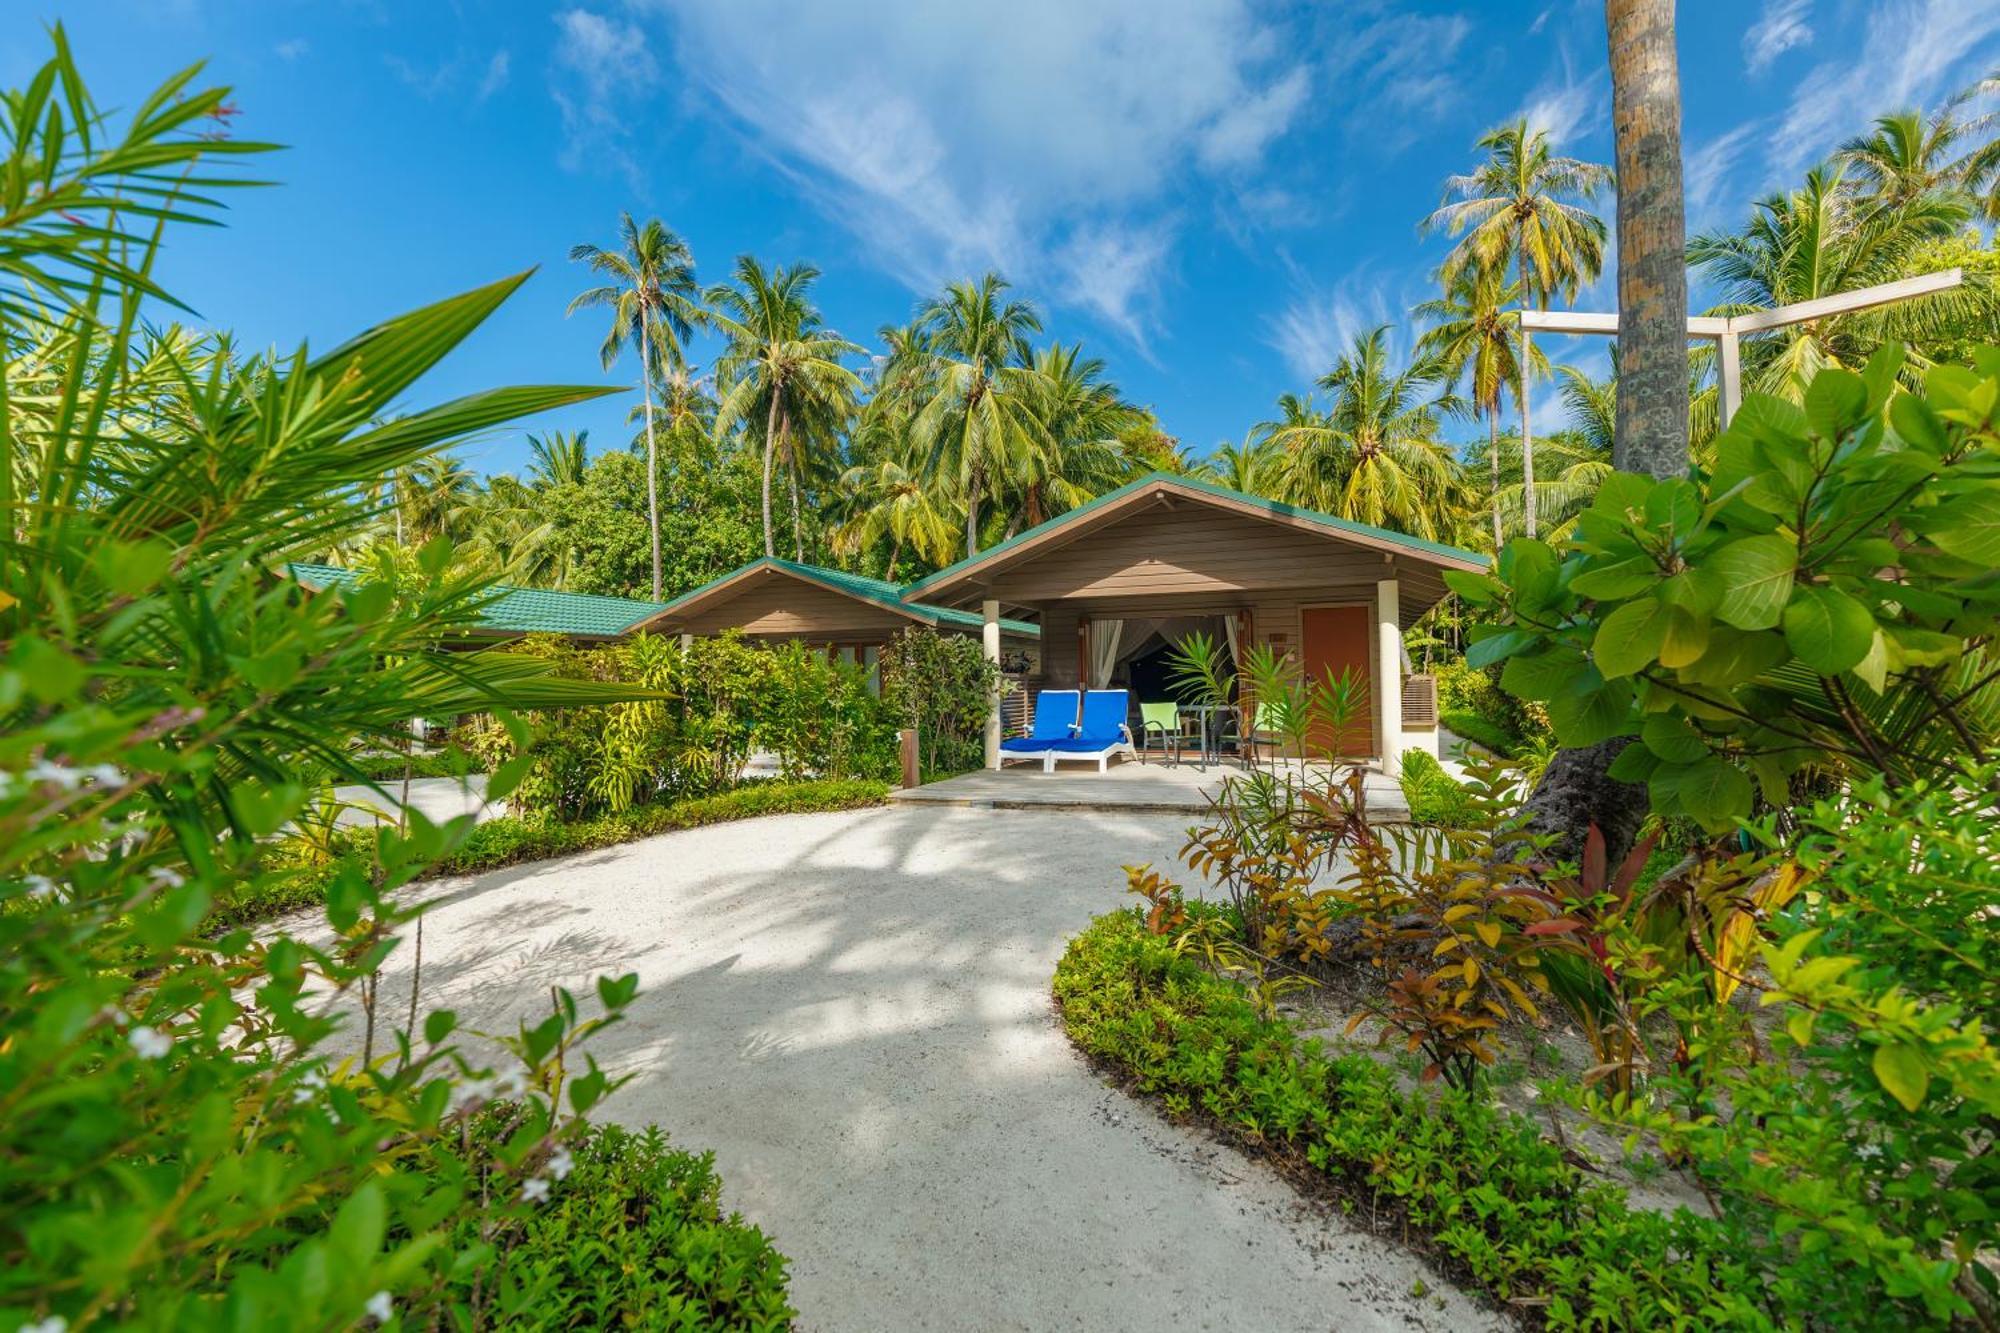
(558, 458)
(783, 367)
(1820, 599)
(655, 304)
(981, 428)
(1475, 337)
(942, 685)
(192, 1123)
(1255, 467)
(1083, 418)
(1374, 456)
(1905, 156)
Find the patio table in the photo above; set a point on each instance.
(1208, 730)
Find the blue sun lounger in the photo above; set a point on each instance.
(1101, 734)
(1055, 720)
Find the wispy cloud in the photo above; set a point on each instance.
(1915, 52)
(1780, 27)
(1311, 332)
(495, 77)
(602, 65)
(1046, 138)
(1710, 176)
(292, 48)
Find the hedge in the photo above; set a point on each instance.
(1481, 1187)
(510, 840)
(634, 1237)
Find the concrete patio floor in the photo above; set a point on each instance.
(1128, 786)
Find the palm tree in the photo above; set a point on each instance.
(980, 422)
(1907, 156)
(1255, 467)
(1978, 171)
(1475, 337)
(1815, 241)
(654, 303)
(1374, 456)
(433, 499)
(1524, 207)
(784, 365)
(893, 502)
(1084, 420)
(558, 458)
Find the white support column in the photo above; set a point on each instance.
(687, 643)
(1388, 689)
(1728, 376)
(989, 610)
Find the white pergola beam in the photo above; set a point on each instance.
(1847, 303)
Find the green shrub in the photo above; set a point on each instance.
(632, 1236)
(1480, 730)
(1481, 711)
(1493, 1197)
(1820, 600)
(940, 684)
(1433, 795)
(449, 763)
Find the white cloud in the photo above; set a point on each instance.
(495, 77)
(1777, 30)
(1915, 53)
(1709, 175)
(292, 48)
(1323, 323)
(1047, 138)
(601, 65)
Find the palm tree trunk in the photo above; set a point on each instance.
(1493, 460)
(792, 477)
(1578, 792)
(652, 467)
(972, 517)
(895, 554)
(1652, 432)
(1527, 436)
(770, 456)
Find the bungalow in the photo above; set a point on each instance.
(1125, 576)
(850, 615)
(513, 612)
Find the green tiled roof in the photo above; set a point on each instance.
(521, 610)
(1274, 507)
(860, 586)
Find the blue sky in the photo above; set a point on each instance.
(1212, 195)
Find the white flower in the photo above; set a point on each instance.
(534, 1191)
(39, 886)
(111, 1013)
(561, 1163)
(105, 775)
(55, 1323)
(166, 877)
(43, 770)
(150, 1043)
(380, 1307)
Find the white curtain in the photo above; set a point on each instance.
(1235, 650)
(1104, 635)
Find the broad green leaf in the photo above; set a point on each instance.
(1826, 629)
(1498, 647)
(1540, 675)
(1899, 1067)
(1711, 791)
(1686, 638)
(1672, 738)
(1968, 525)
(1836, 401)
(1628, 639)
(1916, 422)
(1755, 576)
(1589, 716)
(1617, 581)
(1635, 763)
(1530, 568)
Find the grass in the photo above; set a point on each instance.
(1480, 730)
(511, 840)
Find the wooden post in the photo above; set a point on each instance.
(913, 768)
(989, 611)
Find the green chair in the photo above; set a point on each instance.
(1164, 721)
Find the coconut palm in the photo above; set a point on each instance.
(783, 368)
(1084, 420)
(433, 498)
(892, 502)
(1475, 337)
(655, 303)
(1524, 208)
(1374, 455)
(1816, 241)
(558, 458)
(980, 423)
(1907, 155)
(1255, 467)
(1978, 171)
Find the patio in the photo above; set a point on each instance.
(1130, 786)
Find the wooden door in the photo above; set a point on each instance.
(1333, 639)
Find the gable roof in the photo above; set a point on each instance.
(520, 610)
(1136, 493)
(875, 592)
